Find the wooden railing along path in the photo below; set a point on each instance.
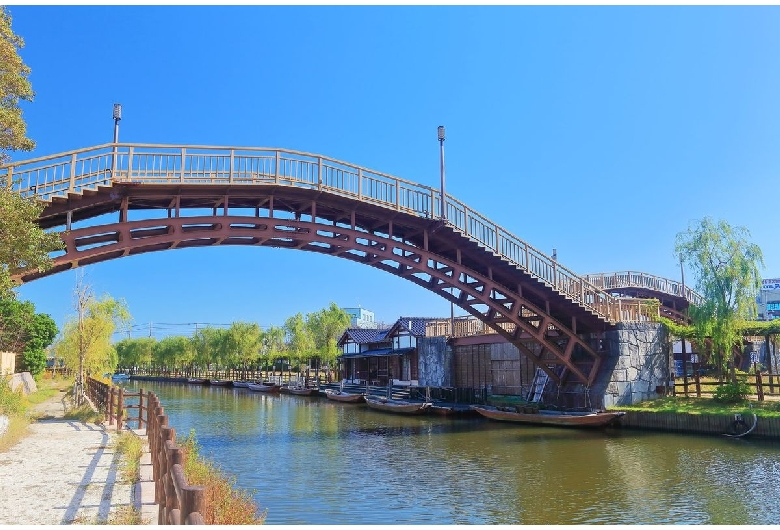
(178, 502)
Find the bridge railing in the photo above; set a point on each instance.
(75, 171)
(643, 280)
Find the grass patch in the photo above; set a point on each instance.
(225, 504)
(131, 448)
(693, 405)
(84, 414)
(17, 429)
(126, 515)
(49, 388)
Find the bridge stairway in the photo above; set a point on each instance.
(539, 280)
(537, 386)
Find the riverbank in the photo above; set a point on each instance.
(66, 472)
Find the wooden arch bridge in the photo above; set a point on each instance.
(280, 198)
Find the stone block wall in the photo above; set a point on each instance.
(434, 365)
(637, 365)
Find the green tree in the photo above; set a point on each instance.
(326, 326)
(174, 351)
(135, 352)
(209, 346)
(243, 342)
(272, 345)
(24, 331)
(726, 266)
(41, 332)
(14, 87)
(300, 341)
(85, 342)
(23, 245)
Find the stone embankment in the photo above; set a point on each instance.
(700, 423)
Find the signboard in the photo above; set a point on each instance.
(773, 306)
(770, 285)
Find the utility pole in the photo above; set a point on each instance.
(683, 353)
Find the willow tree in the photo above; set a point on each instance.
(326, 326)
(272, 345)
(85, 342)
(300, 341)
(132, 353)
(243, 343)
(210, 347)
(23, 245)
(726, 267)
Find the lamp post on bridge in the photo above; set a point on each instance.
(117, 118)
(441, 156)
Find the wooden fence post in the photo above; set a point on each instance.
(110, 406)
(141, 408)
(172, 457)
(120, 409)
(193, 501)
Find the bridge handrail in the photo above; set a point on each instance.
(643, 280)
(86, 168)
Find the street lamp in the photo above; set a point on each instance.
(117, 117)
(441, 153)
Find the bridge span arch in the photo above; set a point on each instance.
(163, 197)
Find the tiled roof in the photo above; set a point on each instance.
(412, 325)
(363, 336)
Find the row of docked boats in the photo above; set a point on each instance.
(523, 415)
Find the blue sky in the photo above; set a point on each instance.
(599, 131)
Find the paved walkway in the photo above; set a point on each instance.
(67, 472)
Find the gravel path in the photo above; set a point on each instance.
(63, 472)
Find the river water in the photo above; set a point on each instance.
(310, 460)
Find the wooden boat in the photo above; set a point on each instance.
(302, 391)
(549, 417)
(240, 384)
(219, 382)
(452, 409)
(262, 387)
(396, 405)
(196, 381)
(344, 397)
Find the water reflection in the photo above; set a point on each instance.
(314, 461)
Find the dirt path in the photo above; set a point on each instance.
(64, 472)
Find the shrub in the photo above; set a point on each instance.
(10, 402)
(225, 504)
(732, 392)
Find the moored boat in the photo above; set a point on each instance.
(301, 391)
(116, 378)
(344, 397)
(549, 417)
(219, 382)
(262, 387)
(196, 381)
(396, 405)
(240, 384)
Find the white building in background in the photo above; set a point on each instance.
(768, 300)
(362, 318)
